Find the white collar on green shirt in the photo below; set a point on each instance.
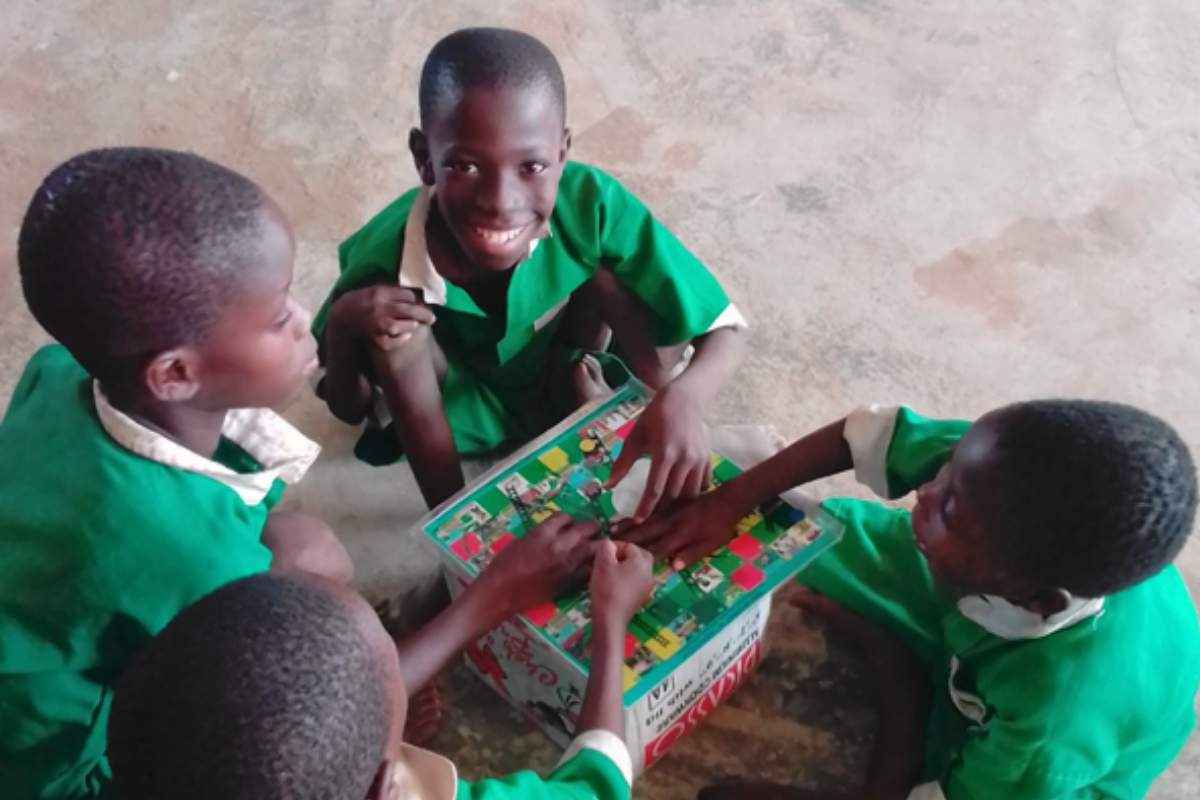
(281, 450)
(421, 775)
(1009, 621)
(416, 267)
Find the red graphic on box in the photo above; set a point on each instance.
(746, 546)
(721, 689)
(503, 542)
(624, 431)
(631, 644)
(516, 649)
(747, 576)
(486, 663)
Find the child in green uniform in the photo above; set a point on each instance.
(129, 488)
(1032, 581)
(463, 308)
(288, 688)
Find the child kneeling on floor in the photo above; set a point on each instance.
(141, 464)
(287, 688)
(1032, 581)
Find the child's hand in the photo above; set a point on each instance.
(689, 533)
(538, 567)
(671, 432)
(622, 580)
(386, 316)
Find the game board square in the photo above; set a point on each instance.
(538, 617)
(748, 577)
(745, 546)
(503, 542)
(467, 547)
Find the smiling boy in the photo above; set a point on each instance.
(465, 309)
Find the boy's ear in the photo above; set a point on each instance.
(383, 787)
(171, 376)
(566, 147)
(418, 145)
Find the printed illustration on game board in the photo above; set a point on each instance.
(568, 473)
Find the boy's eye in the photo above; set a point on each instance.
(465, 167)
(282, 322)
(535, 167)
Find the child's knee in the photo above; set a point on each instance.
(301, 543)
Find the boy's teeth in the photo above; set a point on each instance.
(498, 237)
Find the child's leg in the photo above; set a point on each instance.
(602, 309)
(301, 543)
(411, 377)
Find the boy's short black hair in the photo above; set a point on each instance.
(487, 57)
(127, 252)
(1094, 497)
(263, 690)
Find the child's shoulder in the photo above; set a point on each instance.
(379, 239)
(49, 383)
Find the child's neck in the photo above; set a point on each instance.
(195, 429)
(489, 290)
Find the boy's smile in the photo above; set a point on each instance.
(495, 158)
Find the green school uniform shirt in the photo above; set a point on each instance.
(107, 531)
(508, 378)
(596, 766)
(1093, 702)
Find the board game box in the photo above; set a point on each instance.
(695, 641)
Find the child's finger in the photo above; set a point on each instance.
(675, 484)
(690, 555)
(399, 326)
(695, 483)
(630, 453)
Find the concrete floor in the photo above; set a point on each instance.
(948, 204)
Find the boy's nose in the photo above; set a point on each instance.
(302, 316)
(498, 196)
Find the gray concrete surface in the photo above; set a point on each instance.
(949, 204)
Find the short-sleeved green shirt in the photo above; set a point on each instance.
(99, 549)
(589, 775)
(506, 377)
(1092, 703)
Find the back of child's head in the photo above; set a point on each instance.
(128, 252)
(264, 689)
(487, 58)
(1092, 497)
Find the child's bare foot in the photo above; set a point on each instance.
(424, 714)
(589, 381)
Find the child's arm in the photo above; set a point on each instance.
(710, 522)
(597, 765)
(671, 430)
(622, 579)
(531, 571)
(383, 317)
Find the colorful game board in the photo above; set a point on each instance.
(566, 471)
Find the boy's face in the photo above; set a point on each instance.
(258, 355)
(495, 158)
(948, 519)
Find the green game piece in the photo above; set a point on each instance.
(726, 562)
(726, 471)
(706, 610)
(606, 504)
(766, 533)
(534, 471)
(493, 501)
